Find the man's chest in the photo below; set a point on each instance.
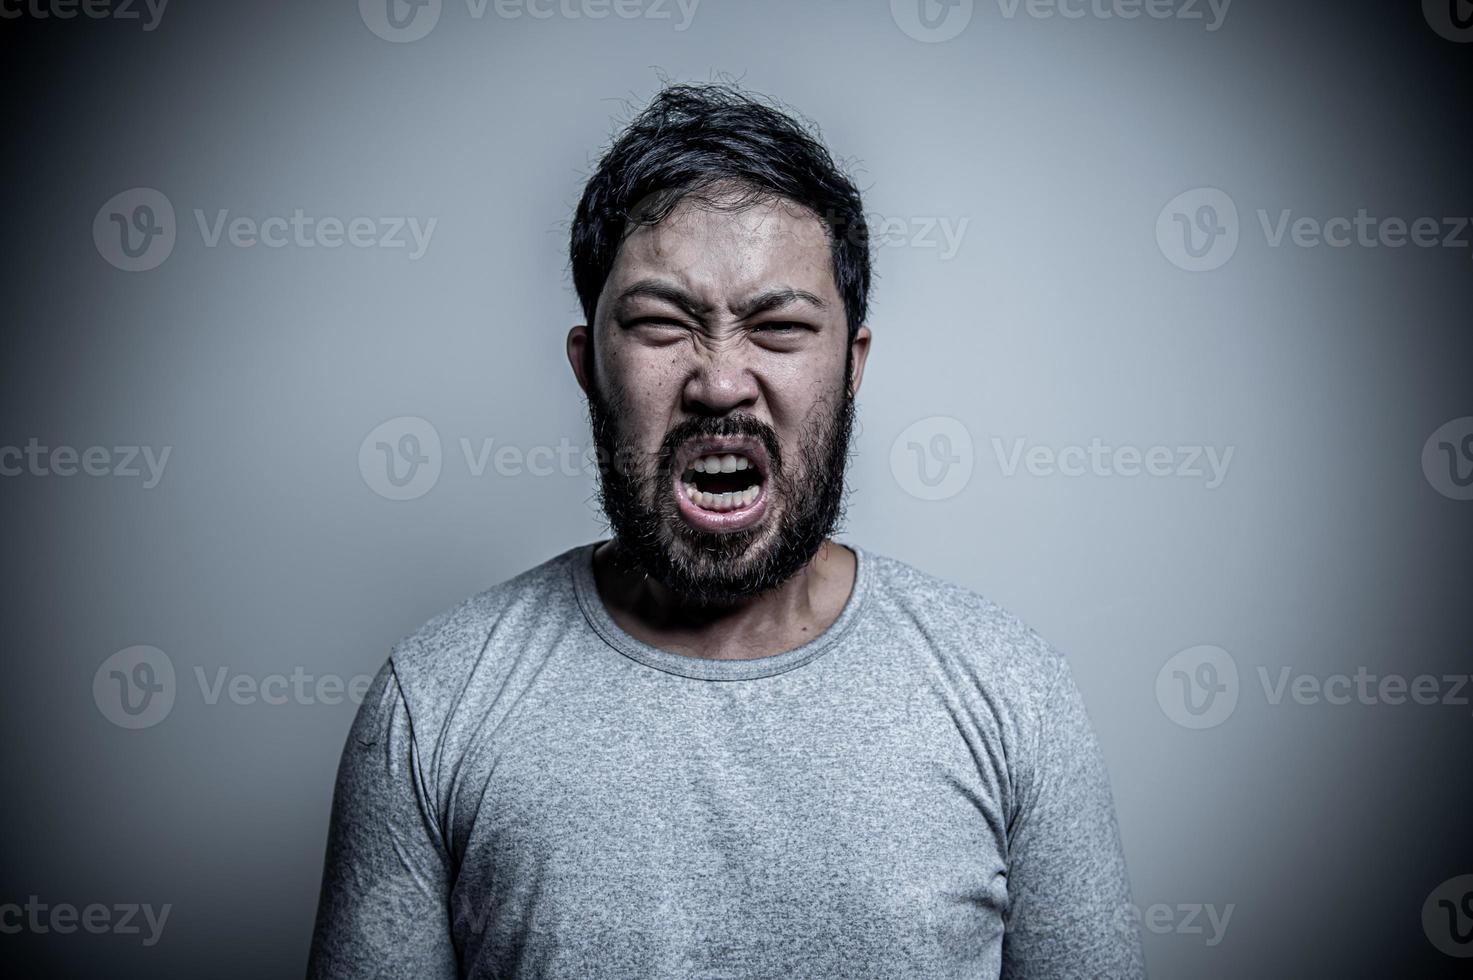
(682, 828)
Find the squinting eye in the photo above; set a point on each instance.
(657, 328)
(779, 327)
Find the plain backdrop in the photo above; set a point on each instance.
(1031, 303)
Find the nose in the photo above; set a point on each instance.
(720, 383)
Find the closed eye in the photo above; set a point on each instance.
(660, 330)
(782, 336)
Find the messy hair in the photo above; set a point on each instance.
(696, 139)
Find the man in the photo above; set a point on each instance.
(721, 744)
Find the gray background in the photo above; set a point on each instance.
(1057, 319)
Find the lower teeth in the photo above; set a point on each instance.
(721, 501)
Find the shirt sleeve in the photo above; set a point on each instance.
(1069, 911)
(384, 907)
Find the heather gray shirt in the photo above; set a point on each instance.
(529, 791)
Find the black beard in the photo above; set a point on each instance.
(709, 569)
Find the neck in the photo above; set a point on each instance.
(773, 622)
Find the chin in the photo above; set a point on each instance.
(716, 568)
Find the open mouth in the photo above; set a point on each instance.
(721, 484)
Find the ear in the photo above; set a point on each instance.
(579, 341)
(860, 348)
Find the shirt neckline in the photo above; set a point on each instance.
(586, 589)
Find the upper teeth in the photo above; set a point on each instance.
(720, 464)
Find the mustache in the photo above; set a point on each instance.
(727, 425)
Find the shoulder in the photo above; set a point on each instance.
(475, 642)
(965, 627)
(1017, 688)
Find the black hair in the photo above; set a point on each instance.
(689, 140)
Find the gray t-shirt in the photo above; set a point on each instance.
(529, 791)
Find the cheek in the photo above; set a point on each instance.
(650, 383)
(799, 386)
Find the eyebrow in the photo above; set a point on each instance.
(666, 292)
(772, 299)
(776, 298)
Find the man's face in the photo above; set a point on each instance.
(721, 395)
